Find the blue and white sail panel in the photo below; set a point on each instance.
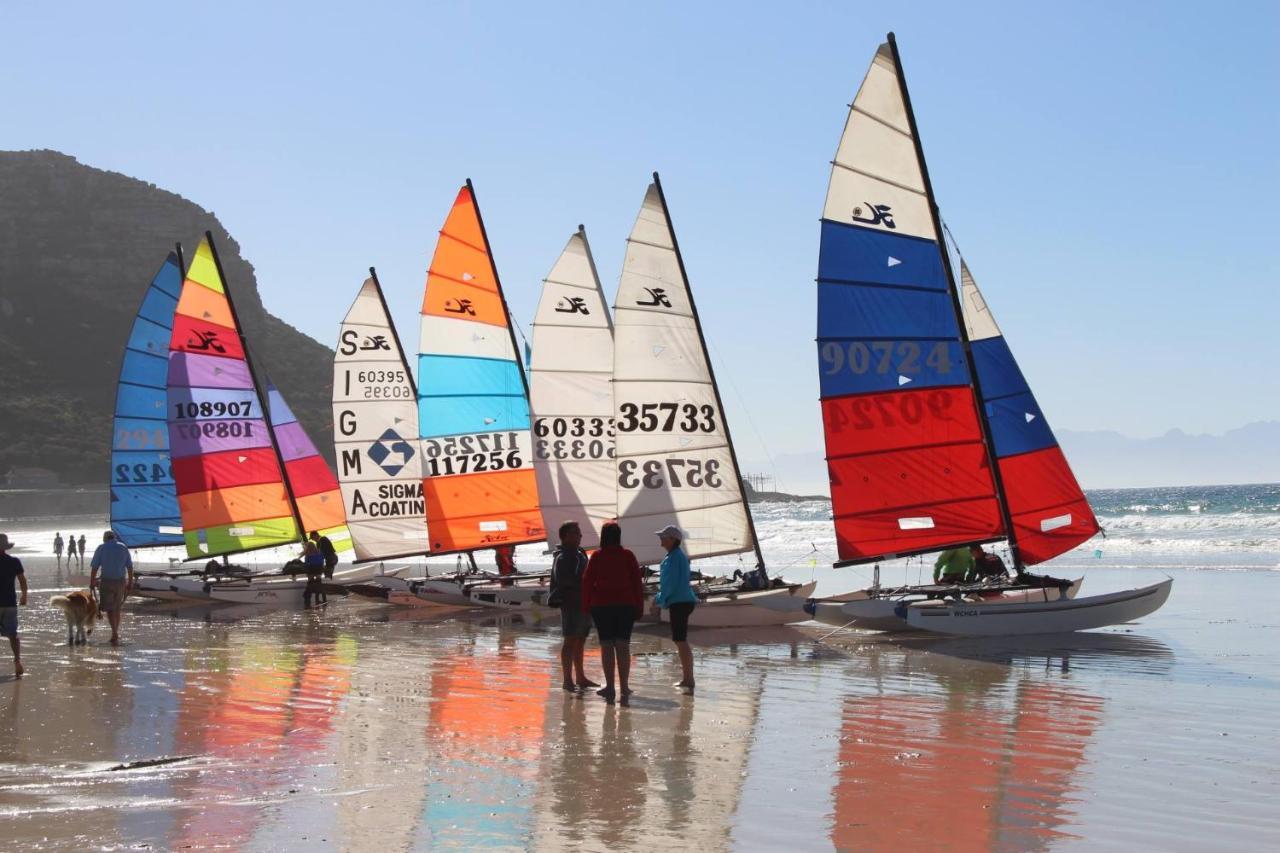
(905, 449)
(1049, 510)
(144, 500)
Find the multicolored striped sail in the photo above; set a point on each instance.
(375, 416)
(144, 500)
(1049, 510)
(473, 404)
(310, 481)
(906, 445)
(230, 483)
(571, 389)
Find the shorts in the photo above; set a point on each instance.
(574, 623)
(329, 565)
(110, 595)
(614, 622)
(8, 621)
(679, 615)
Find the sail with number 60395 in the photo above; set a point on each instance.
(473, 405)
(571, 393)
(675, 463)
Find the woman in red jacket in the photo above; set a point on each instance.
(613, 593)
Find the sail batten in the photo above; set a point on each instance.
(375, 415)
(675, 462)
(572, 397)
(473, 405)
(144, 499)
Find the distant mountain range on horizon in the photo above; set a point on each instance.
(1105, 459)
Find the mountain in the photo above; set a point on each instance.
(1109, 460)
(78, 247)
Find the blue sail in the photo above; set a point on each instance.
(144, 500)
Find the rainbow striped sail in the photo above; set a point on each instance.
(231, 490)
(144, 502)
(310, 480)
(473, 403)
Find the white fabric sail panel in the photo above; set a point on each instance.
(673, 460)
(445, 336)
(571, 397)
(375, 430)
(876, 179)
(978, 319)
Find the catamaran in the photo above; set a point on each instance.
(247, 476)
(675, 461)
(920, 392)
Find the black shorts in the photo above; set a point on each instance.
(614, 622)
(679, 615)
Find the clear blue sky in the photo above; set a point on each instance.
(1110, 169)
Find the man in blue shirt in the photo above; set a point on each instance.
(113, 560)
(11, 570)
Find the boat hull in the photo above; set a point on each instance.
(282, 590)
(751, 609)
(887, 614)
(981, 619)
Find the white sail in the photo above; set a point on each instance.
(375, 432)
(571, 396)
(675, 465)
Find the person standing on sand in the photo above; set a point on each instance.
(327, 551)
(675, 593)
(57, 547)
(613, 593)
(82, 550)
(112, 558)
(71, 548)
(11, 570)
(314, 561)
(567, 566)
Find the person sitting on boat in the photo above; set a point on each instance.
(313, 560)
(953, 566)
(986, 565)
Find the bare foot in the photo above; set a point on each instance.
(568, 687)
(587, 682)
(18, 669)
(115, 641)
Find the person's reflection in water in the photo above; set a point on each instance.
(677, 768)
(619, 794)
(573, 772)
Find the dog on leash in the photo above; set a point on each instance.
(81, 611)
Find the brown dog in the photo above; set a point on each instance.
(81, 611)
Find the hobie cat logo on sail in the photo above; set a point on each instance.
(459, 306)
(880, 214)
(657, 297)
(572, 305)
(205, 341)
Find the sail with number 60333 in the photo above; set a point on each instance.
(473, 405)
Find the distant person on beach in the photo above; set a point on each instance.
(112, 560)
(505, 557)
(57, 547)
(613, 593)
(71, 549)
(82, 550)
(987, 566)
(953, 566)
(11, 570)
(568, 563)
(314, 561)
(327, 551)
(675, 594)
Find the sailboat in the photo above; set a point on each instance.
(675, 458)
(920, 392)
(144, 502)
(247, 477)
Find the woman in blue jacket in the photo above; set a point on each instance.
(675, 593)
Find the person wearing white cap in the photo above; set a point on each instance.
(675, 593)
(11, 570)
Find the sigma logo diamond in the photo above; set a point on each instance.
(391, 452)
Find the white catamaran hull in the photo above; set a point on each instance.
(751, 609)
(528, 597)
(281, 589)
(982, 619)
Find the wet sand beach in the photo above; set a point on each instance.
(356, 727)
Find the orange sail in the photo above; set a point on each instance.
(473, 400)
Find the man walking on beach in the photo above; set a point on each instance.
(327, 551)
(71, 548)
(11, 570)
(82, 550)
(112, 558)
(57, 547)
(567, 565)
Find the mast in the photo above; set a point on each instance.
(182, 264)
(715, 386)
(404, 362)
(257, 388)
(988, 441)
(595, 274)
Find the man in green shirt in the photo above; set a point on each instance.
(954, 566)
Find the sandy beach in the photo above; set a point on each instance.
(362, 728)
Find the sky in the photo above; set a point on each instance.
(1109, 169)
